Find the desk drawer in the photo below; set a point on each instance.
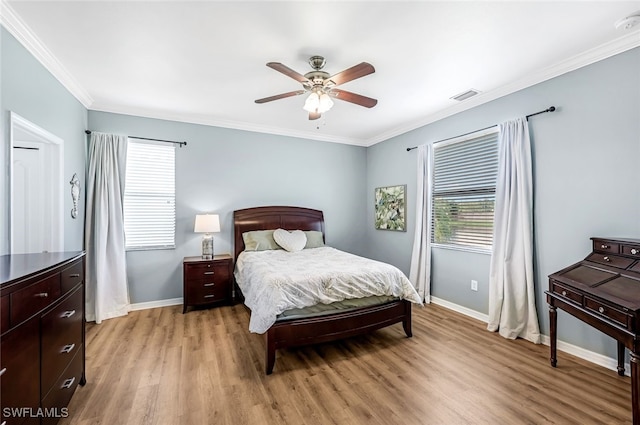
(607, 311)
(605, 247)
(631, 250)
(566, 292)
(611, 260)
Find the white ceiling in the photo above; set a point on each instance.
(204, 61)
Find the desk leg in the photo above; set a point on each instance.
(635, 387)
(553, 334)
(620, 358)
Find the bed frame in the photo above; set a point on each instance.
(312, 330)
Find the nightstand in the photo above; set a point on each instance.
(207, 282)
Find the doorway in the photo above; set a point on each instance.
(36, 189)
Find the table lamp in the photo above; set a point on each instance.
(207, 224)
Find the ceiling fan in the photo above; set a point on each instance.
(322, 86)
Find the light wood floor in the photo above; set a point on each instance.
(162, 367)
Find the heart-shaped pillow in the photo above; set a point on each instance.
(291, 241)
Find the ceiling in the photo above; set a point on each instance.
(204, 61)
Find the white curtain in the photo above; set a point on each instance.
(107, 294)
(420, 272)
(512, 302)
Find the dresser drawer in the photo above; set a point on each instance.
(611, 260)
(631, 250)
(566, 292)
(71, 276)
(210, 272)
(61, 337)
(4, 314)
(58, 397)
(204, 293)
(34, 298)
(607, 311)
(605, 247)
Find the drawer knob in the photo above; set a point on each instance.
(564, 293)
(209, 272)
(67, 314)
(41, 295)
(68, 383)
(209, 296)
(601, 309)
(208, 284)
(67, 348)
(74, 275)
(4, 369)
(603, 246)
(635, 251)
(607, 259)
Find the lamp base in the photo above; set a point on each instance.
(207, 247)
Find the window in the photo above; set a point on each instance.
(150, 196)
(464, 186)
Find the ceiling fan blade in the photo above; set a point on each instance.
(314, 115)
(350, 74)
(288, 72)
(358, 99)
(280, 96)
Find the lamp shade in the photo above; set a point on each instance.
(207, 223)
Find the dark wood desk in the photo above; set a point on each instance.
(603, 290)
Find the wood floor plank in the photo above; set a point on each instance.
(161, 367)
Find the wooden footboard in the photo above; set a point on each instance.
(315, 330)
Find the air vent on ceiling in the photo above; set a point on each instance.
(465, 95)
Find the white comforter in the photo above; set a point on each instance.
(276, 280)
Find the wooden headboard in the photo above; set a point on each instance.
(268, 218)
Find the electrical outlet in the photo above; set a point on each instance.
(474, 285)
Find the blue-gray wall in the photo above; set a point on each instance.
(586, 158)
(29, 90)
(221, 170)
(586, 181)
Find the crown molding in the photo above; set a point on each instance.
(604, 51)
(236, 125)
(16, 27)
(12, 22)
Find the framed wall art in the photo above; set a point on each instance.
(391, 208)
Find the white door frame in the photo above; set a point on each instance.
(54, 157)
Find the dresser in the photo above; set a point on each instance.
(42, 335)
(207, 282)
(603, 290)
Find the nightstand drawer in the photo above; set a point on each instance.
(607, 311)
(212, 272)
(204, 294)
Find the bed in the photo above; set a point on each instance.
(309, 326)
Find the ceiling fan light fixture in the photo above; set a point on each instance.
(325, 103)
(312, 103)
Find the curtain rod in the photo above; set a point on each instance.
(153, 140)
(549, 109)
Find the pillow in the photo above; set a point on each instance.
(259, 240)
(314, 239)
(291, 241)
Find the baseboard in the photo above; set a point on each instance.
(574, 350)
(460, 309)
(156, 304)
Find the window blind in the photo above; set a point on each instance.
(464, 185)
(150, 196)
